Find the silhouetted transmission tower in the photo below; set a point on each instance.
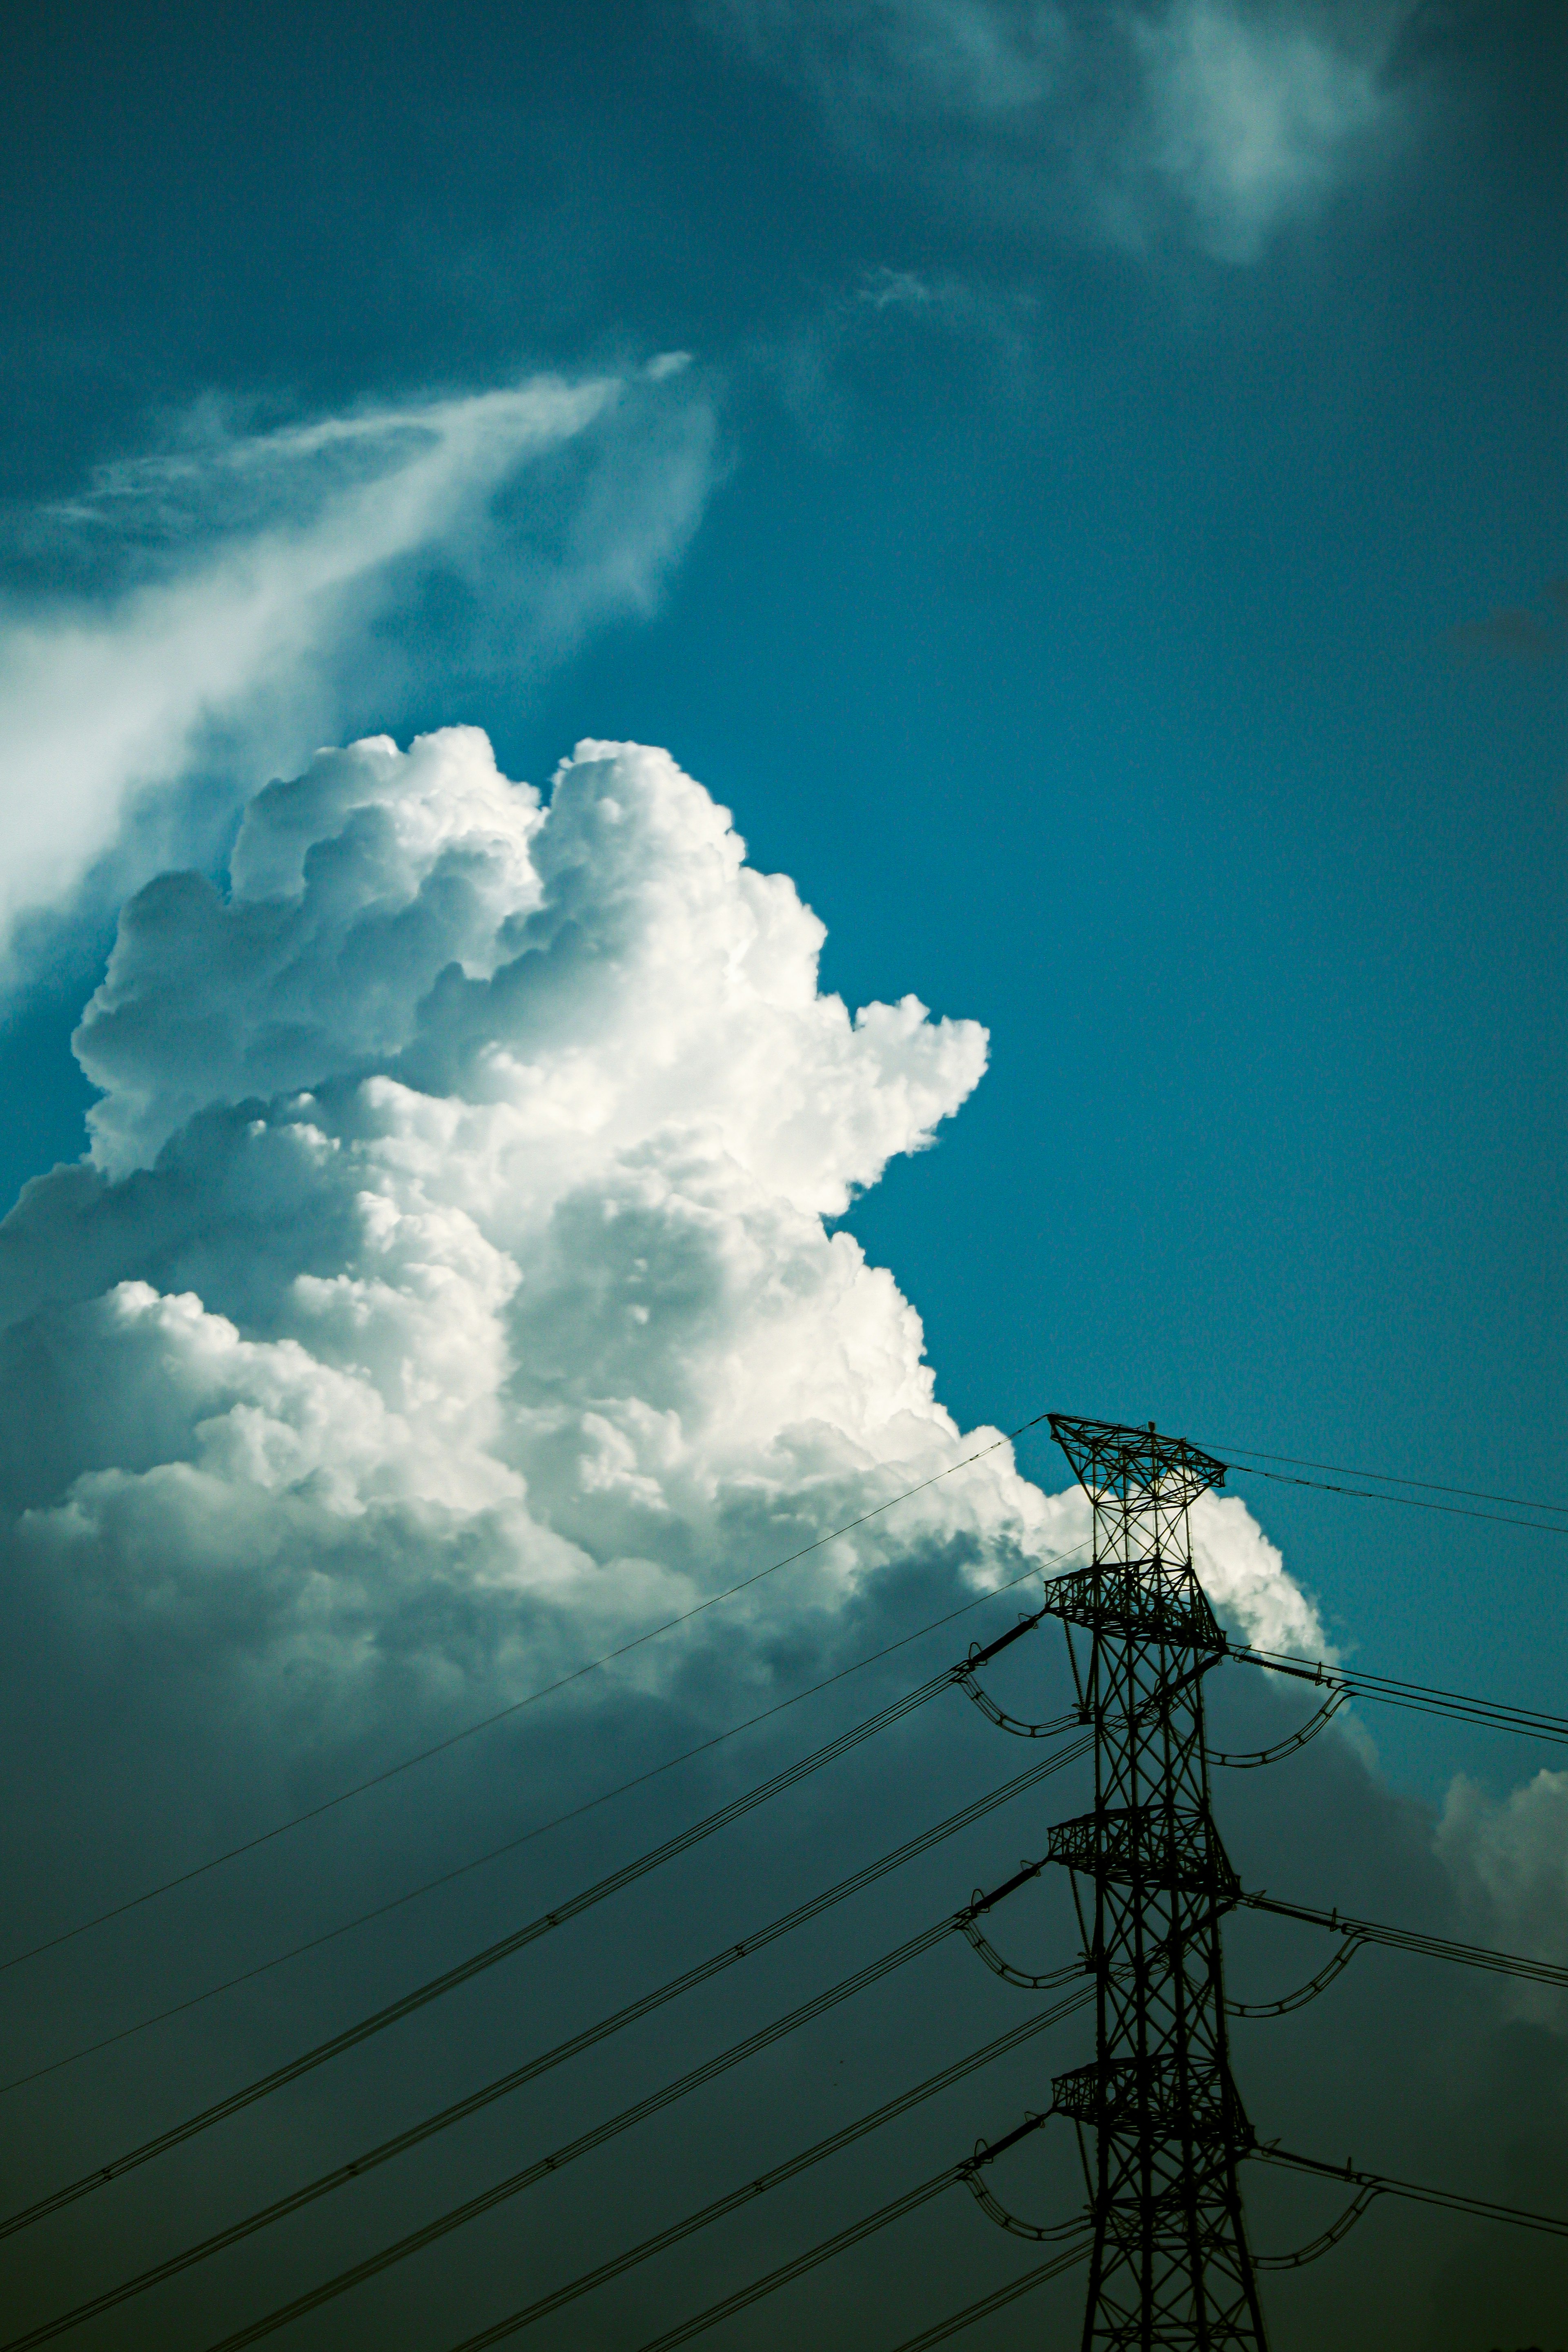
(1170, 2266)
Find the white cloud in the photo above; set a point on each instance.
(980, 59)
(897, 290)
(262, 558)
(1509, 1861)
(1246, 1578)
(1252, 117)
(452, 1284)
(1212, 120)
(964, 57)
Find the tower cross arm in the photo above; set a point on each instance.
(1115, 1457)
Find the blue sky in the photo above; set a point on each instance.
(1100, 627)
(1084, 486)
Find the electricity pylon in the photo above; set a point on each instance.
(1170, 2266)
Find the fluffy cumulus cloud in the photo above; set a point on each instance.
(454, 1283)
(1216, 122)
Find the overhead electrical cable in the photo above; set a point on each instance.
(1411, 1502)
(542, 2169)
(541, 1829)
(1340, 2227)
(854, 2234)
(1303, 1993)
(477, 1963)
(546, 1690)
(997, 2300)
(1425, 1698)
(356, 2168)
(749, 2191)
(1406, 1940)
(1386, 1477)
(1342, 1682)
(592, 1665)
(1450, 2201)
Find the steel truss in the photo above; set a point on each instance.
(1170, 2266)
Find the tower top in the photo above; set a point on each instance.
(1111, 1459)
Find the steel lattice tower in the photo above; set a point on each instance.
(1170, 2264)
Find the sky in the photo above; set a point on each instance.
(941, 632)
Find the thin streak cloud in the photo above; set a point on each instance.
(251, 566)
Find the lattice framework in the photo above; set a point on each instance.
(1170, 2265)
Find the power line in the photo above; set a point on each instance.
(544, 2168)
(1425, 1698)
(485, 1723)
(546, 1690)
(1388, 1477)
(840, 2242)
(465, 1971)
(1421, 1698)
(494, 1853)
(1407, 1940)
(997, 2300)
(459, 2110)
(774, 2177)
(1451, 2200)
(1369, 2186)
(1411, 1502)
(1456, 1706)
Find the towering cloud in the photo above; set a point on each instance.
(453, 1282)
(456, 1289)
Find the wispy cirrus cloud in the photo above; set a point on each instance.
(240, 584)
(1211, 122)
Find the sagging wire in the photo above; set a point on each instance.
(737, 2198)
(964, 1677)
(986, 2152)
(1425, 1698)
(350, 2037)
(494, 1853)
(1303, 1993)
(415, 2134)
(1010, 1975)
(1249, 1759)
(516, 1706)
(976, 1909)
(1411, 1502)
(799, 2264)
(1379, 2184)
(1386, 1477)
(1325, 2238)
(1407, 1940)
